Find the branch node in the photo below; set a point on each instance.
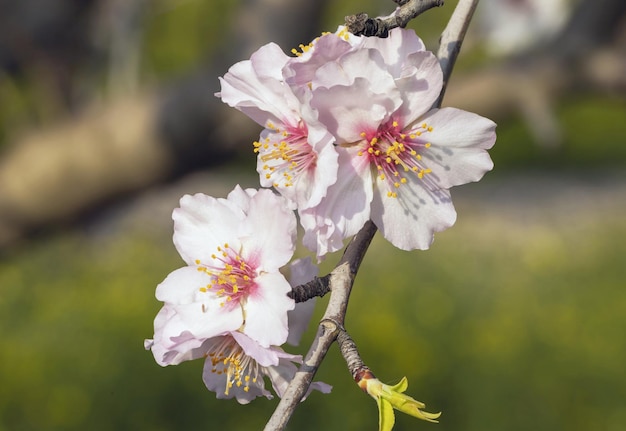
(319, 286)
(362, 25)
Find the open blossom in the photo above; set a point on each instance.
(295, 151)
(233, 248)
(235, 366)
(397, 157)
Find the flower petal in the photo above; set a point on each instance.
(459, 142)
(410, 220)
(344, 210)
(255, 87)
(269, 232)
(266, 310)
(201, 224)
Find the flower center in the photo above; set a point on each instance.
(232, 278)
(227, 357)
(286, 154)
(396, 153)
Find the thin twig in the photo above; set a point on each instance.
(452, 39)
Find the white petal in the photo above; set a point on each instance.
(201, 224)
(410, 220)
(265, 356)
(182, 286)
(396, 48)
(270, 232)
(459, 142)
(255, 87)
(266, 310)
(420, 85)
(344, 210)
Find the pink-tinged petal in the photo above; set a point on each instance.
(171, 352)
(255, 87)
(215, 379)
(202, 320)
(300, 171)
(301, 70)
(311, 189)
(395, 48)
(271, 234)
(281, 376)
(344, 210)
(348, 111)
(459, 142)
(201, 224)
(363, 63)
(302, 271)
(264, 356)
(410, 220)
(420, 85)
(241, 198)
(266, 310)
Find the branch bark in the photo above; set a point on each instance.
(361, 24)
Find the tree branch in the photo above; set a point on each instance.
(452, 39)
(319, 286)
(362, 25)
(341, 279)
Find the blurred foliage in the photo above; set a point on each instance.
(593, 130)
(182, 33)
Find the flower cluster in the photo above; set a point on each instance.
(229, 304)
(349, 135)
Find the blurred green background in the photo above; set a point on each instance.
(514, 320)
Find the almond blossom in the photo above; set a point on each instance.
(295, 151)
(397, 157)
(235, 366)
(233, 248)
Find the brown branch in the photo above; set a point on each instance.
(319, 286)
(452, 39)
(361, 24)
(341, 281)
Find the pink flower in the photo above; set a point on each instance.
(397, 157)
(295, 151)
(235, 367)
(233, 248)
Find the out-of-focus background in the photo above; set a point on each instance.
(514, 320)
